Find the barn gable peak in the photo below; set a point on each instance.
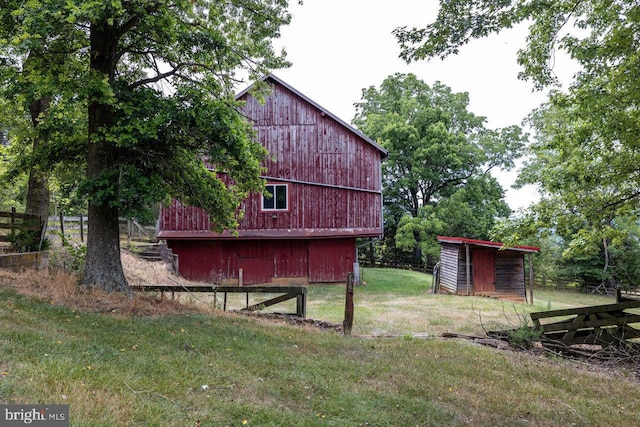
(272, 79)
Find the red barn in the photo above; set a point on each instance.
(325, 178)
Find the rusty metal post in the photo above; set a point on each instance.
(348, 306)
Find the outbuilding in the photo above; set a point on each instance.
(323, 190)
(484, 268)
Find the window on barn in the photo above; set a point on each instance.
(275, 198)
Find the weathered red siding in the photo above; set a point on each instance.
(330, 260)
(311, 209)
(265, 261)
(333, 176)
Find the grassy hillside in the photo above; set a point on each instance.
(215, 369)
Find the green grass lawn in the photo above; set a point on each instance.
(399, 302)
(204, 369)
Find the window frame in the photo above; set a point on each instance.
(274, 194)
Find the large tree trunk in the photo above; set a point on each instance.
(38, 195)
(103, 266)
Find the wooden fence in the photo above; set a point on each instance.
(76, 228)
(403, 265)
(600, 324)
(575, 285)
(13, 221)
(558, 284)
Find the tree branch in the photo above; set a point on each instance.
(154, 79)
(619, 201)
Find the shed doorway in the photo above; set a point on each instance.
(484, 274)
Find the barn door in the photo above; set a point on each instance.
(484, 270)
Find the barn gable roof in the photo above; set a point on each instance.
(270, 78)
(486, 243)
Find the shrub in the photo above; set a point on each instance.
(28, 241)
(524, 336)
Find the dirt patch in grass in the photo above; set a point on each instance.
(294, 320)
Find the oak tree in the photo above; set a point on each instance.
(593, 126)
(158, 82)
(440, 154)
(39, 63)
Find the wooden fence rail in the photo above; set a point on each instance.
(600, 324)
(288, 292)
(16, 221)
(76, 227)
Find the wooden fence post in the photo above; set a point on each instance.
(81, 228)
(468, 268)
(531, 279)
(13, 221)
(62, 224)
(348, 307)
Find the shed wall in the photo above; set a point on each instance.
(450, 265)
(510, 273)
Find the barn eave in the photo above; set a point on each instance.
(308, 233)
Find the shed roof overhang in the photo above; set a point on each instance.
(487, 244)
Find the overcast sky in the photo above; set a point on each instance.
(339, 47)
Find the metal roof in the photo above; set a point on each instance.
(486, 243)
(324, 111)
